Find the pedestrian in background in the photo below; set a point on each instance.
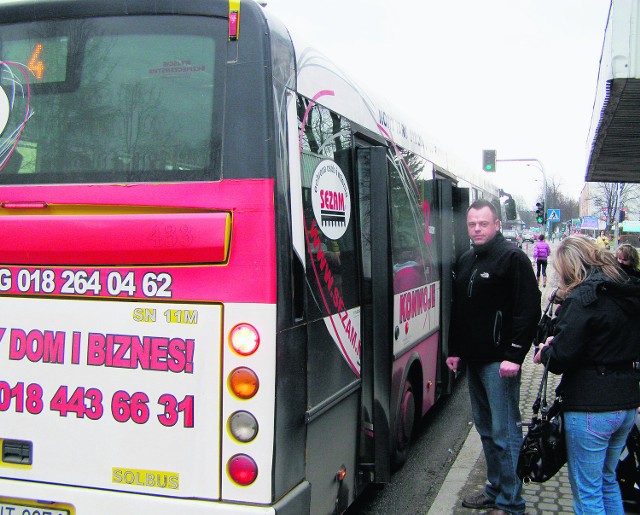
(496, 308)
(597, 340)
(541, 253)
(602, 241)
(627, 257)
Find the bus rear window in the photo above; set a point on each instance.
(125, 99)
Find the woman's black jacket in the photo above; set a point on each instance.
(596, 342)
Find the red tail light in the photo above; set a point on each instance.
(242, 469)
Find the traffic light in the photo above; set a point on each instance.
(510, 209)
(489, 160)
(540, 212)
(621, 216)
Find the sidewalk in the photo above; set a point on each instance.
(467, 476)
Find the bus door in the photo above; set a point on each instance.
(332, 305)
(373, 216)
(448, 205)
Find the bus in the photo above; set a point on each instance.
(225, 270)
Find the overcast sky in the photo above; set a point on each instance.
(518, 76)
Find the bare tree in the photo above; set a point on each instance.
(569, 208)
(611, 197)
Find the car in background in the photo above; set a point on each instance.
(528, 236)
(513, 236)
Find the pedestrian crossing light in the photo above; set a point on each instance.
(540, 212)
(489, 160)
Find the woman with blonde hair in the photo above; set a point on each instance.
(627, 257)
(597, 340)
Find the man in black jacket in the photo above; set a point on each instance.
(496, 309)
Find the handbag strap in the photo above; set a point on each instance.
(550, 303)
(540, 404)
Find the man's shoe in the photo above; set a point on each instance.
(478, 502)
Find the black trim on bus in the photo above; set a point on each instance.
(21, 10)
(295, 502)
(329, 402)
(382, 313)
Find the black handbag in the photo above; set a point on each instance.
(543, 451)
(628, 469)
(547, 322)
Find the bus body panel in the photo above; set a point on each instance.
(89, 337)
(261, 406)
(331, 448)
(79, 239)
(250, 254)
(104, 386)
(104, 502)
(222, 208)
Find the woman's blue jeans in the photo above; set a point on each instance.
(495, 403)
(594, 444)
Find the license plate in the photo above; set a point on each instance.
(7, 508)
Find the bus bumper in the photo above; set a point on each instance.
(87, 501)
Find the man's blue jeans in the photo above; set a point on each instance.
(594, 444)
(495, 403)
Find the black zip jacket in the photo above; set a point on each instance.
(597, 340)
(496, 305)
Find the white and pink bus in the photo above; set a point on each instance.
(224, 270)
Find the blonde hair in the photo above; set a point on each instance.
(576, 256)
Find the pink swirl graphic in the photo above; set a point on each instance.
(19, 88)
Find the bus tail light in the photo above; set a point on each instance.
(234, 19)
(243, 382)
(243, 426)
(242, 469)
(233, 25)
(244, 339)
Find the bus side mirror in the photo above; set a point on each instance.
(510, 209)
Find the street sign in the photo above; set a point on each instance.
(631, 226)
(553, 215)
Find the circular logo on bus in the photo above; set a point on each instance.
(330, 199)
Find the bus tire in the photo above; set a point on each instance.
(404, 426)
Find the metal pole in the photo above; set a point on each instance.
(616, 232)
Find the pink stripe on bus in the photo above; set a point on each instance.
(247, 275)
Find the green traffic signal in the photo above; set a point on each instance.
(489, 160)
(540, 212)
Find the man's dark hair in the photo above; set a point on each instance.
(482, 203)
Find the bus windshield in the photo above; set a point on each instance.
(120, 99)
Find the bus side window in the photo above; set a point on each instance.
(407, 258)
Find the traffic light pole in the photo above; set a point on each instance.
(540, 167)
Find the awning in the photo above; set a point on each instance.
(615, 154)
